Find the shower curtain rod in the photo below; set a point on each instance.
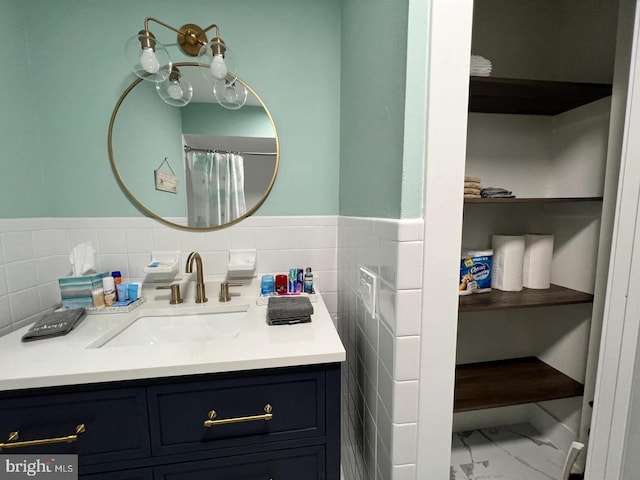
(188, 149)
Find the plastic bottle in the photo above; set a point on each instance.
(308, 281)
(108, 285)
(117, 280)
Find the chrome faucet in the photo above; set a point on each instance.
(201, 296)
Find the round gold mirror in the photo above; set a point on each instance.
(197, 167)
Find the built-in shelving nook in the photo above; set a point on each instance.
(538, 126)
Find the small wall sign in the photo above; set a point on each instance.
(166, 182)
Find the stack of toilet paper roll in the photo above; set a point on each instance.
(521, 261)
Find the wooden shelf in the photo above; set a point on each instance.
(531, 97)
(499, 300)
(531, 200)
(510, 382)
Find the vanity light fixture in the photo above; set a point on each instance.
(230, 94)
(150, 61)
(175, 90)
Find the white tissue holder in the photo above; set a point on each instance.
(242, 263)
(163, 263)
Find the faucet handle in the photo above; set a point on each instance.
(175, 292)
(225, 295)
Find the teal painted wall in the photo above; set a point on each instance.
(288, 51)
(208, 119)
(22, 187)
(146, 132)
(373, 49)
(383, 107)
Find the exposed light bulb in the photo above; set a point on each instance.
(218, 67)
(175, 90)
(230, 94)
(149, 61)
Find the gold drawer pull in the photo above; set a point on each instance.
(13, 436)
(267, 415)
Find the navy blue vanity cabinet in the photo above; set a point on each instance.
(115, 423)
(259, 408)
(140, 474)
(163, 428)
(295, 464)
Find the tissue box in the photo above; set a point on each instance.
(76, 291)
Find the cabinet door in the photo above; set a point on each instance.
(115, 423)
(178, 412)
(294, 464)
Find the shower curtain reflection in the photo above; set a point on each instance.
(215, 188)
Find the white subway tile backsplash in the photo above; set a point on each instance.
(78, 236)
(386, 347)
(331, 300)
(385, 427)
(216, 241)
(281, 237)
(135, 264)
(5, 315)
(268, 261)
(50, 242)
(215, 263)
(4, 288)
(385, 389)
(165, 239)
(410, 257)
(392, 249)
(21, 275)
(369, 457)
(388, 258)
(404, 444)
(17, 246)
(49, 269)
(24, 305)
(405, 402)
(320, 259)
(408, 312)
(320, 237)
(138, 240)
(49, 294)
(111, 262)
(243, 238)
(112, 240)
(407, 358)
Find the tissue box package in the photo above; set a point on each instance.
(76, 291)
(475, 271)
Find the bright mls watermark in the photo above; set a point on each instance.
(50, 467)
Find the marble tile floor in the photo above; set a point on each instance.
(513, 452)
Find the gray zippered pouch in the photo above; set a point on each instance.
(55, 324)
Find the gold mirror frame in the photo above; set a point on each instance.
(147, 211)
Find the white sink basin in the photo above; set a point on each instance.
(160, 328)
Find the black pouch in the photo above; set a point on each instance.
(55, 324)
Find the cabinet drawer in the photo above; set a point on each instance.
(140, 474)
(295, 464)
(115, 424)
(178, 412)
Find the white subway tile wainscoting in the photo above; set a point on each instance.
(381, 376)
(34, 253)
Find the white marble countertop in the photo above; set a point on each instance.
(74, 359)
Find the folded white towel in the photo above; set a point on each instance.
(480, 66)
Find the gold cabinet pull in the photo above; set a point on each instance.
(14, 436)
(267, 415)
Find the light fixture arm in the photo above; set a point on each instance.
(190, 38)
